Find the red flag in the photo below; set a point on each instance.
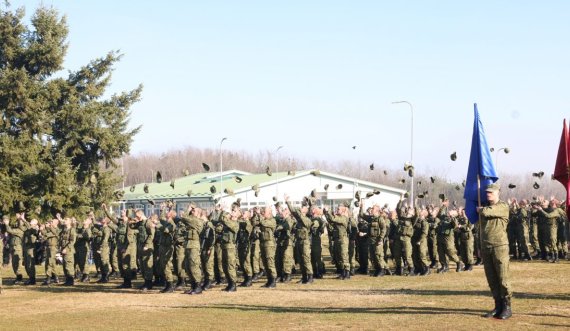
(562, 167)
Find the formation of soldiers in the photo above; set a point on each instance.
(201, 249)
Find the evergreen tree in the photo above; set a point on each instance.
(59, 137)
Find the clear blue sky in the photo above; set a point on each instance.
(319, 76)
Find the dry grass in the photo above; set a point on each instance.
(450, 301)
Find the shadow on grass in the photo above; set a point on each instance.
(402, 310)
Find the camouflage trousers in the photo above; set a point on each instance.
(165, 253)
(376, 252)
(496, 264)
(229, 262)
(30, 261)
(268, 260)
(303, 248)
(17, 253)
(193, 263)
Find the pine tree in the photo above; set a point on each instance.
(59, 137)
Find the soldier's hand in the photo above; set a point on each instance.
(6, 221)
(104, 206)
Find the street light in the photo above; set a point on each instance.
(497, 152)
(411, 147)
(221, 166)
(277, 166)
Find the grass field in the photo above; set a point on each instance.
(444, 302)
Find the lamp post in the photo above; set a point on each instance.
(277, 169)
(497, 152)
(411, 147)
(221, 166)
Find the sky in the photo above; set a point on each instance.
(319, 77)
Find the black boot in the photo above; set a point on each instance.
(505, 309)
(19, 280)
(426, 271)
(496, 311)
(411, 271)
(147, 285)
(197, 289)
(85, 278)
(179, 284)
(528, 257)
(47, 281)
(207, 285)
(376, 272)
(126, 283)
(347, 274)
(433, 264)
(103, 279)
(246, 282)
(270, 283)
(555, 258)
(478, 261)
(459, 267)
(387, 272)
(31, 281)
(168, 288)
(68, 281)
(255, 276)
(192, 287)
(398, 271)
(55, 279)
(231, 287)
(468, 267)
(286, 278)
(310, 278)
(444, 268)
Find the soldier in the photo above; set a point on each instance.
(208, 240)
(215, 218)
(50, 232)
(255, 245)
(339, 222)
(284, 255)
(243, 241)
(317, 230)
(16, 249)
(67, 238)
(194, 225)
(377, 230)
(352, 232)
(477, 243)
(146, 248)
(267, 225)
(127, 230)
(519, 214)
(362, 239)
(419, 243)
(156, 272)
(30, 239)
(303, 243)
(107, 230)
(403, 239)
(82, 245)
(114, 252)
(229, 236)
(495, 251)
(96, 244)
(179, 253)
(465, 230)
(433, 222)
(533, 232)
(550, 213)
(562, 237)
(167, 228)
(446, 239)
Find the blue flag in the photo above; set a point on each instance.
(480, 165)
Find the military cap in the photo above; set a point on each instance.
(385, 173)
(158, 177)
(357, 195)
(256, 193)
(255, 187)
(494, 187)
(463, 183)
(376, 192)
(421, 196)
(457, 187)
(419, 182)
(268, 171)
(189, 193)
(119, 194)
(512, 186)
(353, 147)
(238, 201)
(213, 189)
(326, 187)
(229, 191)
(206, 167)
(406, 195)
(453, 156)
(372, 166)
(274, 198)
(315, 172)
(411, 172)
(369, 194)
(238, 179)
(339, 186)
(314, 193)
(432, 179)
(291, 173)
(132, 189)
(357, 204)
(343, 204)
(93, 179)
(151, 202)
(145, 188)
(172, 184)
(536, 186)
(186, 172)
(442, 197)
(539, 174)
(407, 166)
(403, 181)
